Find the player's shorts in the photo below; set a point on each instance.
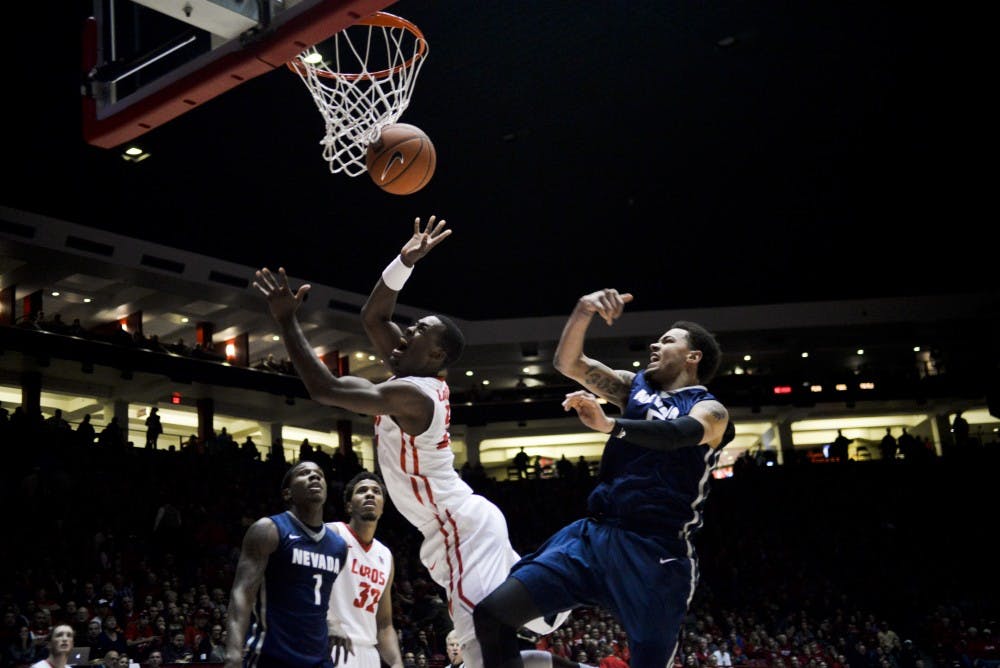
(646, 585)
(267, 661)
(364, 656)
(469, 555)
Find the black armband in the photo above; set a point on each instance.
(660, 434)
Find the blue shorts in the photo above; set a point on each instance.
(268, 661)
(646, 585)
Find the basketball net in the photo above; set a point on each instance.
(361, 81)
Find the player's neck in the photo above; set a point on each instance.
(311, 515)
(682, 379)
(363, 529)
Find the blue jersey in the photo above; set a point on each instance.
(289, 625)
(652, 492)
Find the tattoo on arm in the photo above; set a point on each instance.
(605, 384)
(718, 413)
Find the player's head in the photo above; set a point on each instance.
(364, 497)
(686, 346)
(453, 647)
(304, 483)
(61, 639)
(427, 346)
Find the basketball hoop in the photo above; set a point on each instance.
(361, 81)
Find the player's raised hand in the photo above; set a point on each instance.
(589, 411)
(607, 303)
(282, 302)
(423, 240)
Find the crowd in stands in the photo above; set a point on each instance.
(113, 333)
(867, 566)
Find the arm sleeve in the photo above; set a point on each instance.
(660, 435)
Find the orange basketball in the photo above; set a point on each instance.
(402, 161)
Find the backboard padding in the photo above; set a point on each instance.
(230, 64)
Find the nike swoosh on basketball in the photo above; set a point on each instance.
(664, 561)
(397, 155)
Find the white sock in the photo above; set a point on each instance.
(536, 658)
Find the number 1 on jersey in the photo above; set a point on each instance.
(319, 585)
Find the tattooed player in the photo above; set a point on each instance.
(633, 555)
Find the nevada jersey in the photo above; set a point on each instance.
(655, 492)
(289, 623)
(358, 590)
(419, 470)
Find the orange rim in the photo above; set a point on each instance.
(379, 20)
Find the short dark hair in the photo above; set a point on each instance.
(452, 341)
(701, 339)
(286, 480)
(358, 477)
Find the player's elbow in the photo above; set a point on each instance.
(568, 366)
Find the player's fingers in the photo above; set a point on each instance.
(627, 297)
(303, 291)
(283, 279)
(435, 240)
(266, 277)
(416, 225)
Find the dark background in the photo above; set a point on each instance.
(696, 154)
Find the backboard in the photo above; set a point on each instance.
(146, 62)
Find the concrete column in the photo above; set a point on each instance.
(786, 448)
(206, 418)
(473, 438)
(941, 435)
(120, 412)
(31, 392)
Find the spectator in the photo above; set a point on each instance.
(840, 448)
(722, 656)
(91, 638)
(454, 650)
(112, 638)
(521, 460)
(960, 432)
(608, 659)
(249, 450)
(112, 438)
(85, 433)
(888, 446)
(59, 647)
(177, 651)
(110, 659)
(154, 427)
(25, 649)
(56, 423)
(564, 468)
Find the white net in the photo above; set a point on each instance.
(361, 80)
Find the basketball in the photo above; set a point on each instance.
(402, 161)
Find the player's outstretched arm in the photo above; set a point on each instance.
(570, 359)
(349, 392)
(707, 423)
(376, 314)
(259, 542)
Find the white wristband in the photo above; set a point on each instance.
(395, 274)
